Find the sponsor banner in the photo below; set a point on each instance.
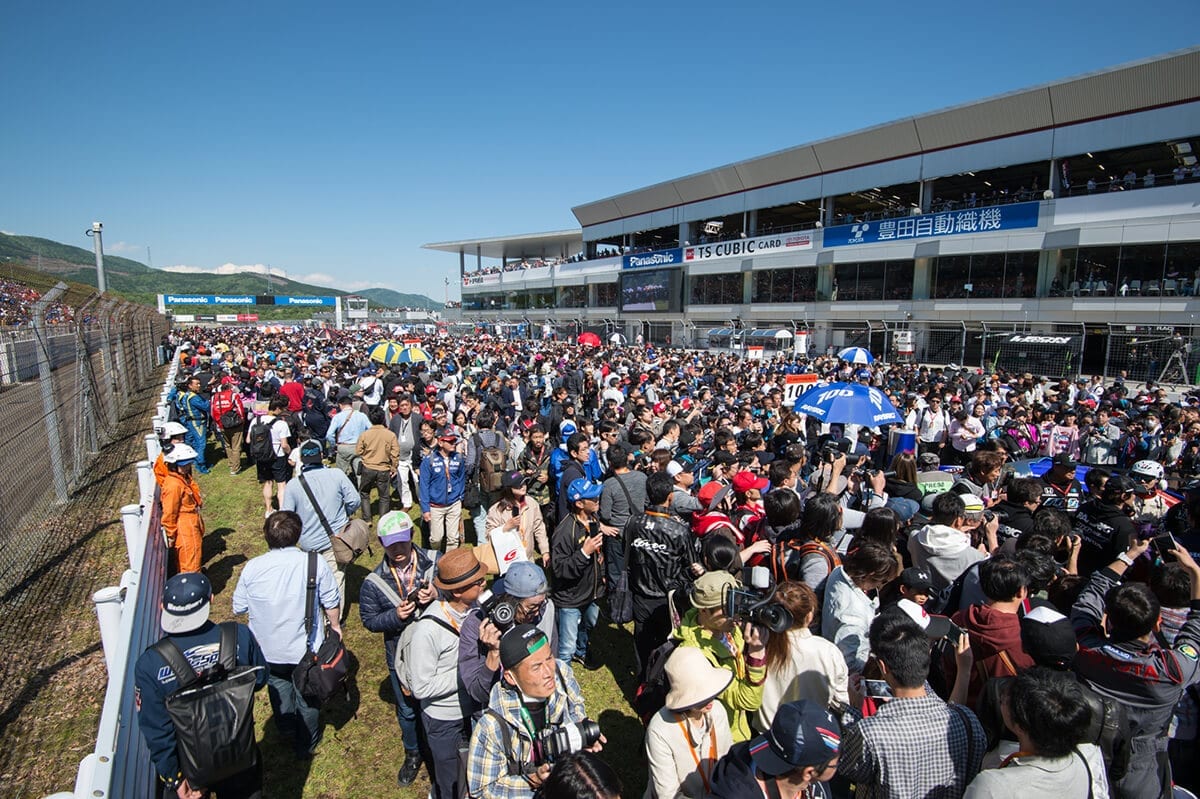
(762, 245)
(661, 258)
(227, 317)
(1051, 339)
(184, 317)
(794, 386)
(247, 317)
(481, 280)
(800, 343)
(305, 300)
(207, 299)
(206, 317)
(754, 353)
(903, 341)
(927, 226)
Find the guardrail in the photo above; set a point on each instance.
(119, 766)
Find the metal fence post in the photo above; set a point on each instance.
(49, 404)
(962, 359)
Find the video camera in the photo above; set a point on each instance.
(831, 449)
(753, 603)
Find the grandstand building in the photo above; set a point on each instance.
(1057, 226)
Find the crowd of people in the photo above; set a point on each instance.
(812, 614)
(16, 306)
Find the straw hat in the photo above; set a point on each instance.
(694, 681)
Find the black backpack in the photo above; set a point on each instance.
(262, 448)
(652, 693)
(213, 712)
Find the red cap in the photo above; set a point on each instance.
(712, 493)
(744, 481)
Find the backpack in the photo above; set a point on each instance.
(490, 462)
(262, 448)
(786, 557)
(651, 695)
(402, 664)
(213, 712)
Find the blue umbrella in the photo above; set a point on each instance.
(857, 355)
(849, 403)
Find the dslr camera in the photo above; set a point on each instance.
(500, 610)
(555, 742)
(753, 603)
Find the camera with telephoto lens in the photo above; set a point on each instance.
(753, 602)
(555, 742)
(501, 611)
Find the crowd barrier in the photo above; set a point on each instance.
(119, 766)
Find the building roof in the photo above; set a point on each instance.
(1156, 82)
(556, 244)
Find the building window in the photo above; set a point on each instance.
(716, 289)
(874, 280)
(606, 295)
(785, 285)
(991, 275)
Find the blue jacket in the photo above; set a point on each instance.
(153, 682)
(434, 487)
(193, 409)
(377, 611)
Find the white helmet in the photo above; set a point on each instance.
(173, 429)
(180, 454)
(1147, 468)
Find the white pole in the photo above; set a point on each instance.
(131, 515)
(145, 474)
(153, 447)
(108, 603)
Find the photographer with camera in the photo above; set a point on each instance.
(740, 648)
(519, 597)
(390, 598)
(535, 715)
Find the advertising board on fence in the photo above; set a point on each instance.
(926, 226)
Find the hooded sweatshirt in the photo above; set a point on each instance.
(995, 643)
(733, 778)
(945, 551)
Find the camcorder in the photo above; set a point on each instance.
(835, 447)
(555, 742)
(753, 602)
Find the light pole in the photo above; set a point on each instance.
(96, 232)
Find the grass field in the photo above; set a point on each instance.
(361, 751)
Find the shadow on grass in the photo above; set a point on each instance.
(614, 645)
(623, 751)
(36, 683)
(283, 772)
(54, 562)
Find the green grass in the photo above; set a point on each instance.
(361, 751)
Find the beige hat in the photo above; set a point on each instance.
(694, 681)
(709, 589)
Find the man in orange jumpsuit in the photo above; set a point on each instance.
(181, 503)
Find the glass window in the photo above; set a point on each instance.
(785, 285)
(1141, 268)
(870, 281)
(898, 280)
(1020, 274)
(987, 275)
(573, 297)
(1183, 266)
(716, 289)
(606, 295)
(950, 274)
(845, 282)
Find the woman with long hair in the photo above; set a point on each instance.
(800, 665)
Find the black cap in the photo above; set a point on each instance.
(519, 643)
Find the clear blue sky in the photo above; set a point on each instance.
(332, 140)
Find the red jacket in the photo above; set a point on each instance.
(995, 643)
(224, 400)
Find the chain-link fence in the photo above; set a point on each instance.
(65, 389)
(1164, 353)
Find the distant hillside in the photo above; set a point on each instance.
(140, 282)
(386, 298)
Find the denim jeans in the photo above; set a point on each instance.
(574, 626)
(296, 721)
(406, 715)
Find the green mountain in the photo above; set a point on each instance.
(141, 283)
(386, 298)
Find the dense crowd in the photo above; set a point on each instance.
(1001, 599)
(16, 306)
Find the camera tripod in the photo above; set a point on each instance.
(1175, 369)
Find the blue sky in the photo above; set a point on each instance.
(330, 141)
